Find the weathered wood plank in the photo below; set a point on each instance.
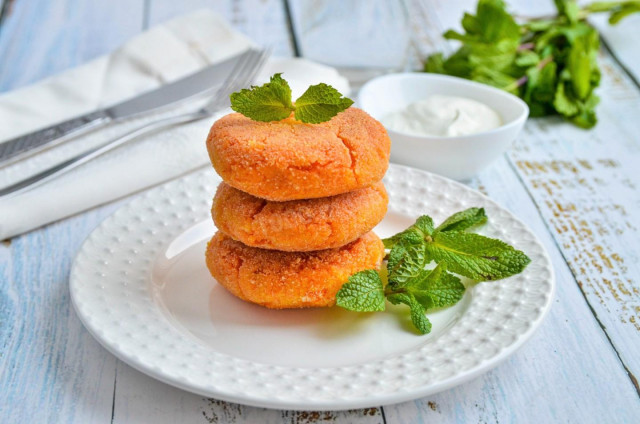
(622, 40)
(140, 398)
(569, 352)
(583, 183)
(528, 388)
(568, 371)
(4, 10)
(264, 21)
(51, 369)
(41, 38)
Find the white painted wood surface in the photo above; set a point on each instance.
(576, 189)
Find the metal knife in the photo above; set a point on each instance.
(200, 82)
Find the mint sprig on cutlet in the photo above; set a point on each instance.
(272, 102)
(454, 250)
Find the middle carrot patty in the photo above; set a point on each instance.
(298, 225)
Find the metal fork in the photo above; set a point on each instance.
(242, 74)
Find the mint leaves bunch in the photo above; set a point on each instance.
(452, 247)
(272, 102)
(550, 62)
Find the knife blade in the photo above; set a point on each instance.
(197, 83)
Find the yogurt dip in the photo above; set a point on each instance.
(443, 116)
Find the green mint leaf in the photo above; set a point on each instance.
(586, 117)
(272, 102)
(626, 9)
(581, 112)
(618, 9)
(443, 288)
(477, 257)
(364, 292)
(463, 220)
(455, 35)
(540, 89)
(410, 235)
(406, 260)
(568, 9)
(424, 224)
(435, 64)
(269, 102)
(458, 63)
(496, 24)
(397, 298)
(563, 103)
(419, 286)
(582, 61)
(527, 58)
(491, 76)
(434, 288)
(408, 255)
(416, 233)
(539, 25)
(470, 24)
(418, 317)
(320, 103)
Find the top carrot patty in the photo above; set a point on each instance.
(290, 160)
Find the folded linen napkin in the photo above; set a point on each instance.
(160, 55)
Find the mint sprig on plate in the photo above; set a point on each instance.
(272, 102)
(452, 247)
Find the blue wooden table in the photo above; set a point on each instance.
(578, 190)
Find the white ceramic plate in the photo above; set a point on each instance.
(140, 286)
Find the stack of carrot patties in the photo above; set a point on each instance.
(297, 205)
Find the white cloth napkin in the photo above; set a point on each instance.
(160, 55)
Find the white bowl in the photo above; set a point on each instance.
(459, 157)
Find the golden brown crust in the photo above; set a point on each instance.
(288, 279)
(290, 160)
(298, 225)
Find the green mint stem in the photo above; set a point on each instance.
(544, 62)
(526, 46)
(523, 80)
(389, 292)
(583, 13)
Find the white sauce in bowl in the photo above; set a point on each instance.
(443, 116)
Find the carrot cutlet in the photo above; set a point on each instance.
(280, 280)
(290, 160)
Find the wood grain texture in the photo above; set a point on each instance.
(617, 39)
(40, 38)
(5, 9)
(140, 398)
(585, 185)
(51, 370)
(567, 372)
(263, 21)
